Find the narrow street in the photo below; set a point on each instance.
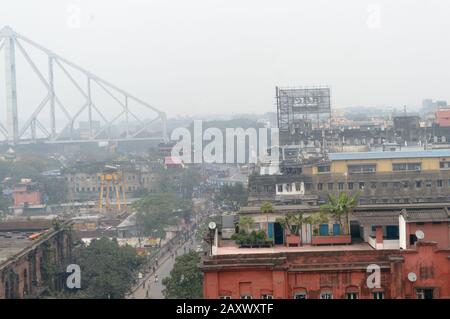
(163, 270)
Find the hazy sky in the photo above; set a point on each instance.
(224, 56)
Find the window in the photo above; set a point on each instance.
(418, 184)
(288, 188)
(351, 295)
(428, 183)
(323, 168)
(373, 185)
(246, 297)
(341, 186)
(266, 297)
(326, 295)
(298, 187)
(330, 186)
(444, 164)
(406, 167)
(384, 184)
(225, 297)
(424, 293)
(439, 183)
(378, 295)
(319, 186)
(362, 168)
(350, 185)
(280, 188)
(361, 185)
(300, 295)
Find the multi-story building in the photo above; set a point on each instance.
(87, 184)
(27, 193)
(395, 251)
(377, 178)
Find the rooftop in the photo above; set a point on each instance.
(230, 248)
(388, 155)
(11, 243)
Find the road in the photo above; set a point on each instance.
(165, 266)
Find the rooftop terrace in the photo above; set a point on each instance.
(230, 248)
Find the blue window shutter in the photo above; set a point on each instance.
(323, 229)
(336, 229)
(270, 230)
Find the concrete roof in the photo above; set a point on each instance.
(388, 155)
(12, 243)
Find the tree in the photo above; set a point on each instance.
(340, 206)
(245, 223)
(185, 280)
(232, 195)
(293, 223)
(108, 270)
(267, 208)
(157, 211)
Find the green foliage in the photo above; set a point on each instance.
(245, 222)
(266, 207)
(178, 181)
(156, 211)
(252, 237)
(185, 280)
(55, 189)
(234, 196)
(107, 269)
(292, 222)
(339, 207)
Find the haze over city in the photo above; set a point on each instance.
(195, 57)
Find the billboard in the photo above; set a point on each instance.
(304, 100)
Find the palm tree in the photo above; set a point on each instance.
(267, 208)
(298, 220)
(339, 207)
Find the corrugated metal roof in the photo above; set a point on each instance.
(387, 155)
(426, 215)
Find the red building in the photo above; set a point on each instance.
(27, 193)
(173, 162)
(416, 264)
(443, 117)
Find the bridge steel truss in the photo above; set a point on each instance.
(10, 42)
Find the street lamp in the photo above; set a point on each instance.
(212, 227)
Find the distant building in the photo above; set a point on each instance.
(173, 162)
(443, 117)
(27, 193)
(390, 177)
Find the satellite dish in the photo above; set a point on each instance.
(212, 225)
(412, 277)
(420, 234)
